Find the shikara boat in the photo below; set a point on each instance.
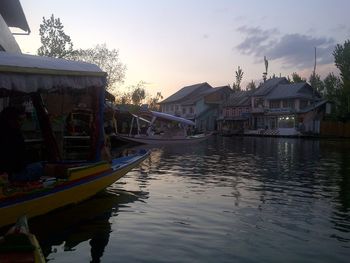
(161, 128)
(73, 156)
(20, 245)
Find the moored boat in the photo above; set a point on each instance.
(162, 128)
(74, 165)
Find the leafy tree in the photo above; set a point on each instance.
(153, 101)
(107, 59)
(251, 86)
(296, 78)
(316, 83)
(138, 95)
(54, 42)
(342, 61)
(239, 76)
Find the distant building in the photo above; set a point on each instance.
(284, 108)
(200, 103)
(235, 114)
(260, 104)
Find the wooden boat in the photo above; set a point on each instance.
(162, 128)
(68, 176)
(20, 245)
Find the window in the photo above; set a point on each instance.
(172, 107)
(304, 104)
(274, 104)
(183, 110)
(288, 104)
(258, 102)
(176, 107)
(191, 110)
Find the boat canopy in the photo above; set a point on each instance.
(28, 73)
(169, 117)
(12, 12)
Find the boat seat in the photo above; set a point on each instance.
(58, 170)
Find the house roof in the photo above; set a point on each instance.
(292, 90)
(266, 87)
(315, 105)
(197, 96)
(185, 92)
(239, 98)
(12, 13)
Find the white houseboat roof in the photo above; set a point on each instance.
(28, 73)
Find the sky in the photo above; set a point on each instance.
(169, 44)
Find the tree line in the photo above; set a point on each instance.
(56, 43)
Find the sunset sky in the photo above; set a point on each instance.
(170, 44)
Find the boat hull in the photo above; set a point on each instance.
(72, 192)
(155, 140)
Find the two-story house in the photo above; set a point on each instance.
(199, 102)
(284, 108)
(259, 103)
(235, 113)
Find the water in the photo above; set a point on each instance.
(238, 199)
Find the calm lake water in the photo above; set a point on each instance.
(238, 199)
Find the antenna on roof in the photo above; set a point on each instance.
(266, 67)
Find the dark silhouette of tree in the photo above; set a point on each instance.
(316, 83)
(54, 42)
(107, 59)
(251, 85)
(342, 61)
(153, 101)
(239, 76)
(296, 78)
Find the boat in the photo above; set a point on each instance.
(154, 127)
(20, 245)
(75, 166)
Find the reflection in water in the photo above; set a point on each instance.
(88, 221)
(238, 199)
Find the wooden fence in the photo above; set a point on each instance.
(336, 129)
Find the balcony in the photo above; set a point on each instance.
(258, 110)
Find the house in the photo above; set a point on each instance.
(259, 103)
(11, 15)
(235, 113)
(282, 108)
(199, 102)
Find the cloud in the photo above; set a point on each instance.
(293, 50)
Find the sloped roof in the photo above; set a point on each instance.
(313, 106)
(239, 98)
(292, 90)
(266, 87)
(185, 92)
(197, 96)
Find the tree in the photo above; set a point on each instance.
(239, 76)
(342, 61)
(107, 59)
(316, 83)
(251, 86)
(296, 78)
(153, 101)
(54, 42)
